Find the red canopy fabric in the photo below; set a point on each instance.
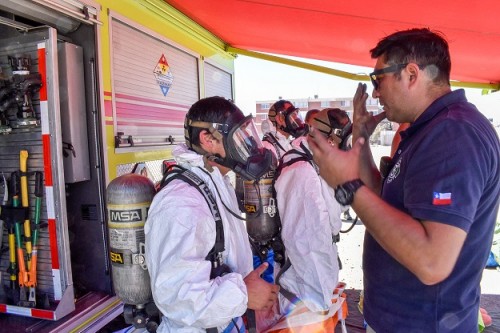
(344, 30)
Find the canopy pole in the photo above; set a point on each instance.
(300, 64)
(342, 74)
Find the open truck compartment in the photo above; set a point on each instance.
(48, 82)
(89, 91)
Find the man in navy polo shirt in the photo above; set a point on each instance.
(430, 221)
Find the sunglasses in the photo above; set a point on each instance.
(374, 76)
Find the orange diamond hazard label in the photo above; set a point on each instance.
(163, 75)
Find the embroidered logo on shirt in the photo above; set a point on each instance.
(394, 171)
(441, 199)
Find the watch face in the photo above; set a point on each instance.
(343, 197)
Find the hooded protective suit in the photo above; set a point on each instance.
(180, 232)
(283, 143)
(310, 215)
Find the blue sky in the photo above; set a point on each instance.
(258, 80)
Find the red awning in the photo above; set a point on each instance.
(344, 31)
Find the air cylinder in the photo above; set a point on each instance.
(128, 198)
(262, 218)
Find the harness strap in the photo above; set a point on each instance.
(215, 254)
(178, 172)
(269, 137)
(306, 155)
(294, 299)
(251, 321)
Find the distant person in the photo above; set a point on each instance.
(310, 220)
(429, 225)
(266, 126)
(287, 123)
(310, 116)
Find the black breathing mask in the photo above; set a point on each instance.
(245, 153)
(295, 126)
(335, 122)
(346, 137)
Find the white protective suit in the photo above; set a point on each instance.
(180, 232)
(310, 215)
(283, 141)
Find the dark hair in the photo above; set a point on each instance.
(276, 108)
(422, 46)
(214, 109)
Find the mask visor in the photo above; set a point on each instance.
(245, 140)
(294, 123)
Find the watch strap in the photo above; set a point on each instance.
(352, 185)
(344, 194)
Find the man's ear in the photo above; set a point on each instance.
(413, 72)
(206, 140)
(280, 119)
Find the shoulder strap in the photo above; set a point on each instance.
(178, 172)
(300, 156)
(215, 254)
(269, 137)
(286, 293)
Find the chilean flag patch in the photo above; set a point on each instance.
(441, 199)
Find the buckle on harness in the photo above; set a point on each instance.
(336, 238)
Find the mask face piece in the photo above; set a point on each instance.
(346, 137)
(294, 123)
(243, 146)
(245, 153)
(243, 140)
(335, 123)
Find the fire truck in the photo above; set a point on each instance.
(89, 91)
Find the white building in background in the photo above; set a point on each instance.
(489, 105)
(306, 104)
(343, 103)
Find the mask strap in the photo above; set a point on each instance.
(324, 123)
(288, 111)
(208, 126)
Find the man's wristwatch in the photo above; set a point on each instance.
(344, 194)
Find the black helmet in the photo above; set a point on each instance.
(245, 153)
(293, 123)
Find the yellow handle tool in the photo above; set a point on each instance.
(23, 167)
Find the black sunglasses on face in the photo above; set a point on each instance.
(391, 69)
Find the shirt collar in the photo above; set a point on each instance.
(438, 106)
